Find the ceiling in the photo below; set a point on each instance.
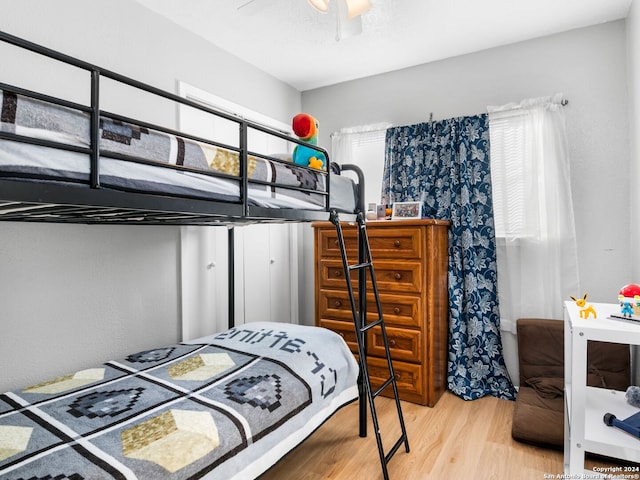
(296, 44)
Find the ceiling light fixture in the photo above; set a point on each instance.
(349, 20)
(347, 26)
(357, 7)
(354, 7)
(320, 5)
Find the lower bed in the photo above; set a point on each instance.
(227, 406)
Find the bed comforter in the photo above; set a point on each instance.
(271, 183)
(226, 407)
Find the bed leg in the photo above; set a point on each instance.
(362, 403)
(231, 272)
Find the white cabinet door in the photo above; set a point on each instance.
(266, 255)
(204, 280)
(266, 276)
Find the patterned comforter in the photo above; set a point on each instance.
(227, 406)
(271, 183)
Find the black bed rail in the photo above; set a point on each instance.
(95, 115)
(361, 184)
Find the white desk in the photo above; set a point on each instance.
(585, 406)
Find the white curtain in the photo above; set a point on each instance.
(364, 147)
(533, 209)
(341, 150)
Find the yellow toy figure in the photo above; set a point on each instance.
(586, 311)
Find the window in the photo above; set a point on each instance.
(363, 146)
(509, 175)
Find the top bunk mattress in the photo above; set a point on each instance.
(139, 158)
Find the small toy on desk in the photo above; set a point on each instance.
(629, 299)
(586, 311)
(630, 424)
(306, 128)
(632, 395)
(626, 309)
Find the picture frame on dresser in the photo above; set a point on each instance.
(406, 211)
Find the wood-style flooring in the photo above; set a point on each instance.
(456, 439)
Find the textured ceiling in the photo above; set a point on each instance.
(291, 41)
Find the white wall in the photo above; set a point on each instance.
(124, 36)
(75, 295)
(633, 45)
(633, 55)
(588, 65)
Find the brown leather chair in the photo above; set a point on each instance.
(538, 417)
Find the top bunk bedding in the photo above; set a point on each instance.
(65, 161)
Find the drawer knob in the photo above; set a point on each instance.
(397, 276)
(396, 310)
(396, 243)
(338, 273)
(337, 304)
(392, 342)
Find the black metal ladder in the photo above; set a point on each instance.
(362, 326)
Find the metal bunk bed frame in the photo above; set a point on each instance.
(64, 204)
(92, 204)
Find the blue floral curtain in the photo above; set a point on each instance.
(445, 165)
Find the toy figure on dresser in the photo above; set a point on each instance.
(306, 128)
(586, 311)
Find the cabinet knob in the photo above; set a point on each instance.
(392, 342)
(338, 273)
(337, 304)
(396, 243)
(397, 276)
(396, 310)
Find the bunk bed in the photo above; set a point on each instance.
(224, 406)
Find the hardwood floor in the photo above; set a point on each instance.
(455, 439)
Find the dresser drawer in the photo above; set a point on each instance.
(398, 309)
(327, 242)
(404, 243)
(390, 276)
(409, 378)
(404, 344)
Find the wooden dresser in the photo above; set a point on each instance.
(410, 259)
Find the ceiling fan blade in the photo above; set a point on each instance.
(250, 7)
